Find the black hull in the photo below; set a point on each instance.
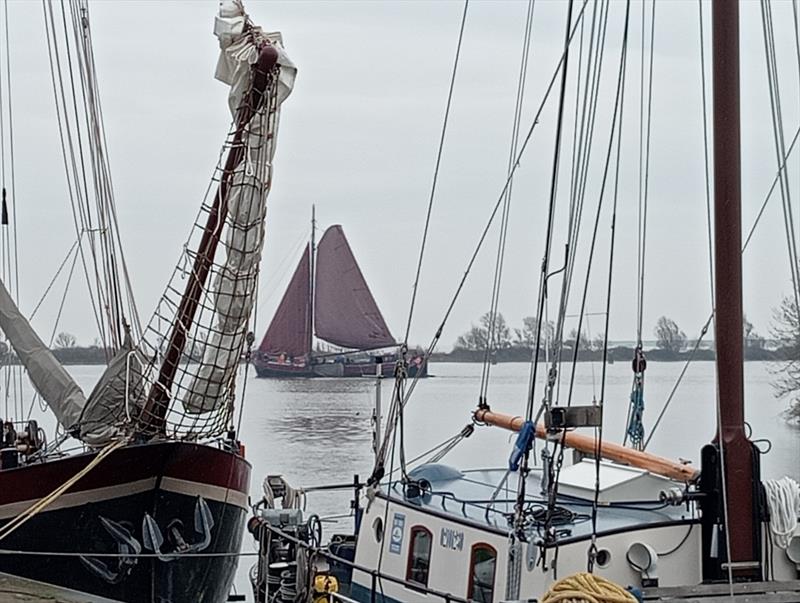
(104, 514)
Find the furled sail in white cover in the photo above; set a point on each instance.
(48, 376)
(83, 419)
(234, 285)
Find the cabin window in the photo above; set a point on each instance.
(482, 564)
(419, 556)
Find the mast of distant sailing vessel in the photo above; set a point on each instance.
(312, 276)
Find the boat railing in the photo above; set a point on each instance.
(375, 575)
(487, 505)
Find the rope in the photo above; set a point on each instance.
(542, 294)
(491, 339)
(620, 97)
(706, 162)
(436, 171)
(780, 145)
(44, 502)
(783, 499)
(644, 168)
(587, 588)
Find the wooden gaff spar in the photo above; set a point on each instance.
(587, 444)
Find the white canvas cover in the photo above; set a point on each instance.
(48, 376)
(235, 283)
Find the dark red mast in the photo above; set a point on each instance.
(732, 462)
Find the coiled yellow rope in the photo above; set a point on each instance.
(587, 588)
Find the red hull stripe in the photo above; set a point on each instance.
(206, 468)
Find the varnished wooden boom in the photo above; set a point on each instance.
(587, 444)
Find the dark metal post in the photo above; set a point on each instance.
(739, 470)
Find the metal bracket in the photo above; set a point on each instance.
(567, 417)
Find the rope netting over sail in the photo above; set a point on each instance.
(179, 380)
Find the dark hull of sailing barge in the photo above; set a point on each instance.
(189, 500)
(267, 368)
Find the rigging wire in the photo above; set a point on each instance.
(706, 163)
(89, 183)
(436, 172)
(10, 232)
(543, 275)
(593, 102)
(770, 55)
(585, 144)
(66, 143)
(519, 507)
(599, 437)
(708, 322)
(504, 219)
(479, 245)
(644, 168)
(775, 180)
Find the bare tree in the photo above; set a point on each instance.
(526, 336)
(65, 340)
(478, 337)
(787, 332)
(669, 336)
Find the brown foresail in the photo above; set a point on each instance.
(289, 331)
(345, 312)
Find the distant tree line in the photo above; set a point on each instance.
(517, 344)
(67, 351)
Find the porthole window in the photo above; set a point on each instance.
(603, 558)
(482, 565)
(419, 556)
(377, 528)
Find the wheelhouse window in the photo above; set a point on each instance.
(482, 564)
(419, 556)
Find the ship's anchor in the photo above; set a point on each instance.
(127, 546)
(154, 539)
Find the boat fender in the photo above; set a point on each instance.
(522, 445)
(324, 585)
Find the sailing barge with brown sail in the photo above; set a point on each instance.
(152, 504)
(328, 296)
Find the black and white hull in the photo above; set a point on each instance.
(153, 522)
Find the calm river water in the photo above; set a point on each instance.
(317, 431)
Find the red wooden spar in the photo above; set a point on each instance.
(155, 409)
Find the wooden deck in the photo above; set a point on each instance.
(749, 592)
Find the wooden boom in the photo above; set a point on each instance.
(588, 444)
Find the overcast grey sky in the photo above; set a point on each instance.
(358, 138)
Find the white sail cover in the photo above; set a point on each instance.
(234, 284)
(48, 376)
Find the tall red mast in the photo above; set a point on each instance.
(735, 462)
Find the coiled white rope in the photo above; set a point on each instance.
(783, 498)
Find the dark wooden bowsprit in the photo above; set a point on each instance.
(155, 410)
